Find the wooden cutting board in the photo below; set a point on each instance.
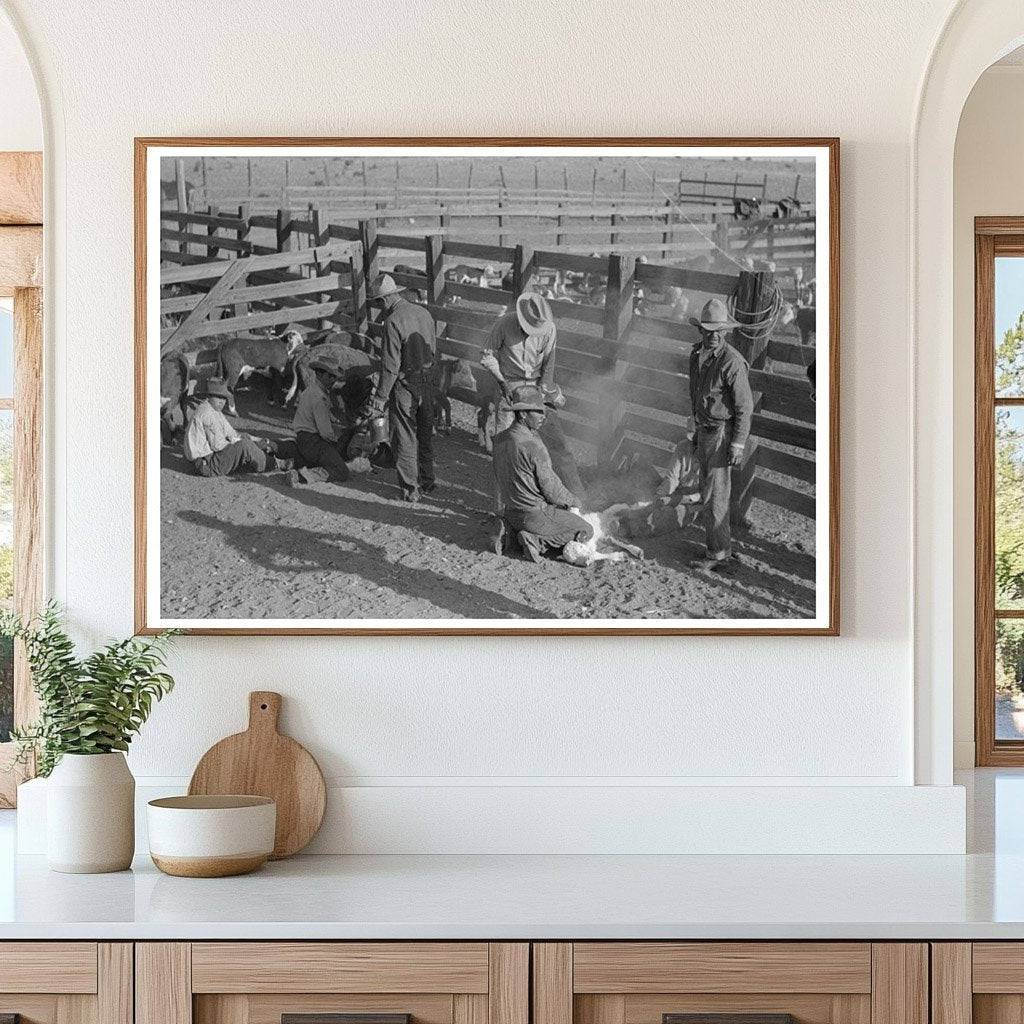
(262, 762)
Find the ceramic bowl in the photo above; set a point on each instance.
(211, 836)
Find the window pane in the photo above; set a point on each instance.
(1009, 679)
(6, 350)
(6, 567)
(1009, 532)
(1009, 321)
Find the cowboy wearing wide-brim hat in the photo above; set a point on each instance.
(405, 389)
(521, 351)
(722, 409)
(213, 446)
(535, 502)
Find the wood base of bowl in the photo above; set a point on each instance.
(210, 867)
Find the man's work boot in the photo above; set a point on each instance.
(530, 544)
(412, 497)
(709, 564)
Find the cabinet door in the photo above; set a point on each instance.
(736, 982)
(981, 982)
(306, 982)
(66, 982)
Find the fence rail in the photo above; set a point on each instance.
(624, 373)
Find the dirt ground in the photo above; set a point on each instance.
(252, 547)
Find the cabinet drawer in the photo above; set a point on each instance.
(730, 982)
(48, 967)
(261, 982)
(340, 967)
(635, 967)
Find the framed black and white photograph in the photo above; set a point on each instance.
(490, 386)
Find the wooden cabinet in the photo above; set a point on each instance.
(979, 982)
(66, 982)
(259, 982)
(815, 982)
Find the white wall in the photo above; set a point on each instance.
(21, 123)
(988, 180)
(400, 713)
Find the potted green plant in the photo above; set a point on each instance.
(89, 710)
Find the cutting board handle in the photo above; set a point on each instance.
(264, 710)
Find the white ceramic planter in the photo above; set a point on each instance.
(90, 814)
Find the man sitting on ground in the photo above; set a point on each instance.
(535, 502)
(214, 447)
(316, 433)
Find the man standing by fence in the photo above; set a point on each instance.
(406, 388)
(723, 408)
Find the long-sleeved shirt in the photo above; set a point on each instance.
(522, 466)
(720, 391)
(313, 413)
(208, 431)
(409, 345)
(522, 356)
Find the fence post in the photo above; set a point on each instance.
(242, 233)
(613, 222)
(435, 279)
(618, 319)
(755, 294)
(211, 230)
(179, 176)
(721, 233)
(360, 300)
(501, 220)
(284, 231)
(369, 316)
(522, 270)
(666, 235)
(558, 228)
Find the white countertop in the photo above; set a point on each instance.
(531, 897)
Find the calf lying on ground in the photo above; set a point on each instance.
(604, 524)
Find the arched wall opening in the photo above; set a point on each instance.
(976, 34)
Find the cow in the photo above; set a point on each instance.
(449, 373)
(787, 208)
(419, 294)
(357, 369)
(603, 524)
(237, 358)
(746, 208)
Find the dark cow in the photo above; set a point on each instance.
(174, 374)
(417, 294)
(786, 208)
(461, 373)
(748, 208)
(358, 373)
(240, 357)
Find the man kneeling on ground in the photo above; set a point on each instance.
(536, 503)
(214, 447)
(316, 434)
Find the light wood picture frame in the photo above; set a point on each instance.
(322, 222)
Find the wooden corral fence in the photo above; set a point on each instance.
(624, 372)
(696, 191)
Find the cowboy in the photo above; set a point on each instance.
(536, 505)
(521, 351)
(406, 388)
(316, 434)
(213, 446)
(722, 411)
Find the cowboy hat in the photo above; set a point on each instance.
(714, 317)
(527, 399)
(534, 313)
(383, 286)
(215, 388)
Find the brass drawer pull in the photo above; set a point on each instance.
(340, 1018)
(728, 1018)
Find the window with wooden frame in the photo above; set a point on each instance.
(21, 365)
